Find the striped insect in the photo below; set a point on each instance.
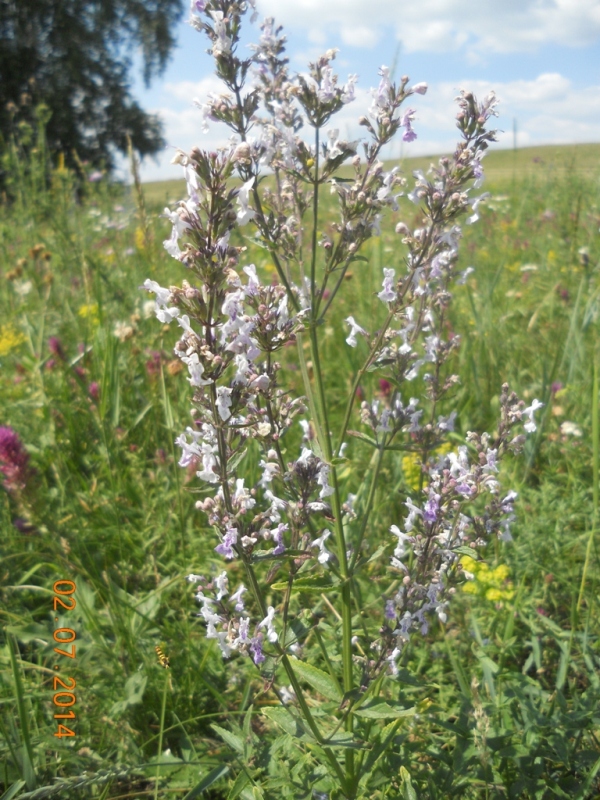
(163, 659)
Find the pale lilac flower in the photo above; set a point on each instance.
(255, 649)
(388, 293)
(253, 281)
(348, 89)
(277, 505)
(419, 88)
(267, 623)
(245, 214)
(164, 313)
(209, 462)
(400, 550)
(222, 582)
(236, 598)
(224, 402)
(324, 554)
(406, 122)
(326, 91)
(196, 369)
(242, 497)
(184, 322)
(354, 329)
(270, 469)
(277, 535)
(222, 45)
(323, 481)
(225, 548)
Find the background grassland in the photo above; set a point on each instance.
(507, 692)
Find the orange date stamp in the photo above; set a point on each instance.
(64, 697)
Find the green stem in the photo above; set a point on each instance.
(161, 732)
(595, 478)
(313, 261)
(287, 665)
(359, 376)
(368, 507)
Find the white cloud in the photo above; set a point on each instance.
(548, 110)
(496, 26)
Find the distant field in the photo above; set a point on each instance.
(501, 167)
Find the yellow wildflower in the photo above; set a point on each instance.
(493, 584)
(140, 239)
(411, 467)
(10, 338)
(89, 311)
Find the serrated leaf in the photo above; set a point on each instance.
(379, 709)
(319, 680)
(235, 742)
(282, 718)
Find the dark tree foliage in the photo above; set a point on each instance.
(75, 56)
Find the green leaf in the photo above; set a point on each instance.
(282, 718)
(463, 550)
(235, 742)
(216, 774)
(406, 787)
(379, 709)
(319, 680)
(316, 583)
(12, 791)
(238, 787)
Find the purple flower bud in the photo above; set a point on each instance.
(94, 390)
(14, 459)
(56, 348)
(255, 649)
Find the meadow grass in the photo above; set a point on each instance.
(506, 692)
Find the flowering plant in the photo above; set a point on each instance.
(291, 532)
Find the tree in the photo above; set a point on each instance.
(74, 56)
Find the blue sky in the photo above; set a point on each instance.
(542, 57)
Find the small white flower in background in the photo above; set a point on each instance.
(148, 308)
(354, 329)
(123, 331)
(22, 288)
(464, 275)
(475, 205)
(570, 429)
(530, 426)
(287, 694)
